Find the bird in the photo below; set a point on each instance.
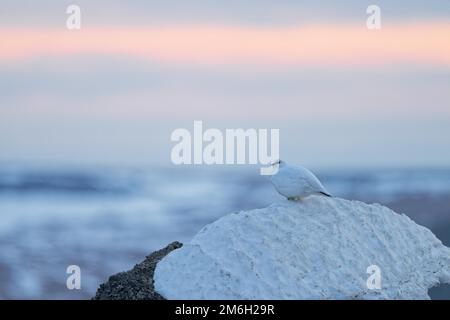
(296, 182)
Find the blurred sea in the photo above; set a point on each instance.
(105, 220)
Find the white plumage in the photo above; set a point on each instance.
(296, 182)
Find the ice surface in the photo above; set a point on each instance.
(316, 249)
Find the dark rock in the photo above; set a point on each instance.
(137, 283)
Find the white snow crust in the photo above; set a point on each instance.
(318, 248)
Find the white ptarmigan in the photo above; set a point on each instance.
(296, 182)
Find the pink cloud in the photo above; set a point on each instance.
(417, 43)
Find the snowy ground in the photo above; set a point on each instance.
(105, 220)
(318, 248)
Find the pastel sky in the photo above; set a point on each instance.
(112, 92)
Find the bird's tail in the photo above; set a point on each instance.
(326, 194)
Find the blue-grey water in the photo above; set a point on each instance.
(105, 220)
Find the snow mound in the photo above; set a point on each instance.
(320, 248)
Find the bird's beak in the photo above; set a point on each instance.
(275, 163)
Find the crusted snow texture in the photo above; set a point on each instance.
(319, 248)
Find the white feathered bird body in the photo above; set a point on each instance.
(295, 182)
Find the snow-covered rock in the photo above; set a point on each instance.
(319, 248)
